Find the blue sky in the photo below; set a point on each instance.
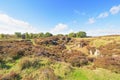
(96, 17)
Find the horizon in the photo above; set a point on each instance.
(96, 18)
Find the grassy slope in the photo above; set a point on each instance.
(63, 70)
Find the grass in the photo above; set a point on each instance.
(76, 74)
(62, 70)
(97, 43)
(87, 74)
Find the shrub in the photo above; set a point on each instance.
(72, 34)
(61, 69)
(27, 63)
(78, 61)
(45, 73)
(81, 34)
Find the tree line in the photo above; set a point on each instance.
(80, 34)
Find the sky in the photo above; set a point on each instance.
(95, 17)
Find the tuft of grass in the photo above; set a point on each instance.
(28, 62)
(76, 74)
(99, 42)
(87, 74)
(61, 69)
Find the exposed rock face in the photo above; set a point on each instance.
(97, 53)
(93, 51)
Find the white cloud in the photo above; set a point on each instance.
(11, 25)
(91, 20)
(79, 13)
(100, 32)
(103, 15)
(115, 9)
(59, 28)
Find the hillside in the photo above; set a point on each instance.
(60, 58)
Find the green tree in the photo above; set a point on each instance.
(47, 34)
(27, 36)
(59, 35)
(72, 34)
(18, 34)
(40, 35)
(35, 35)
(31, 35)
(81, 34)
(1, 36)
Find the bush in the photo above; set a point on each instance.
(72, 34)
(81, 34)
(78, 61)
(27, 63)
(45, 73)
(47, 34)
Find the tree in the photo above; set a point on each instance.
(1, 36)
(31, 35)
(59, 35)
(72, 34)
(23, 36)
(81, 34)
(27, 35)
(18, 34)
(47, 34)
(40, 35)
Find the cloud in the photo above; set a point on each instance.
(115, 9)
(79, 13)
(100, 32)
(59, 28)
(10, 25)
(103, 15)
(91, 20)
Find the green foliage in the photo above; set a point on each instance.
(81, 34)
(47, 34)
(2, 36)
(28, 62)
(3, 65)
(40, 35)
(11, 76)
(18, 34)
(31, 35)
(72, 34)
(59, 35)
(61, 69)
(27, 36)
(76, 74)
